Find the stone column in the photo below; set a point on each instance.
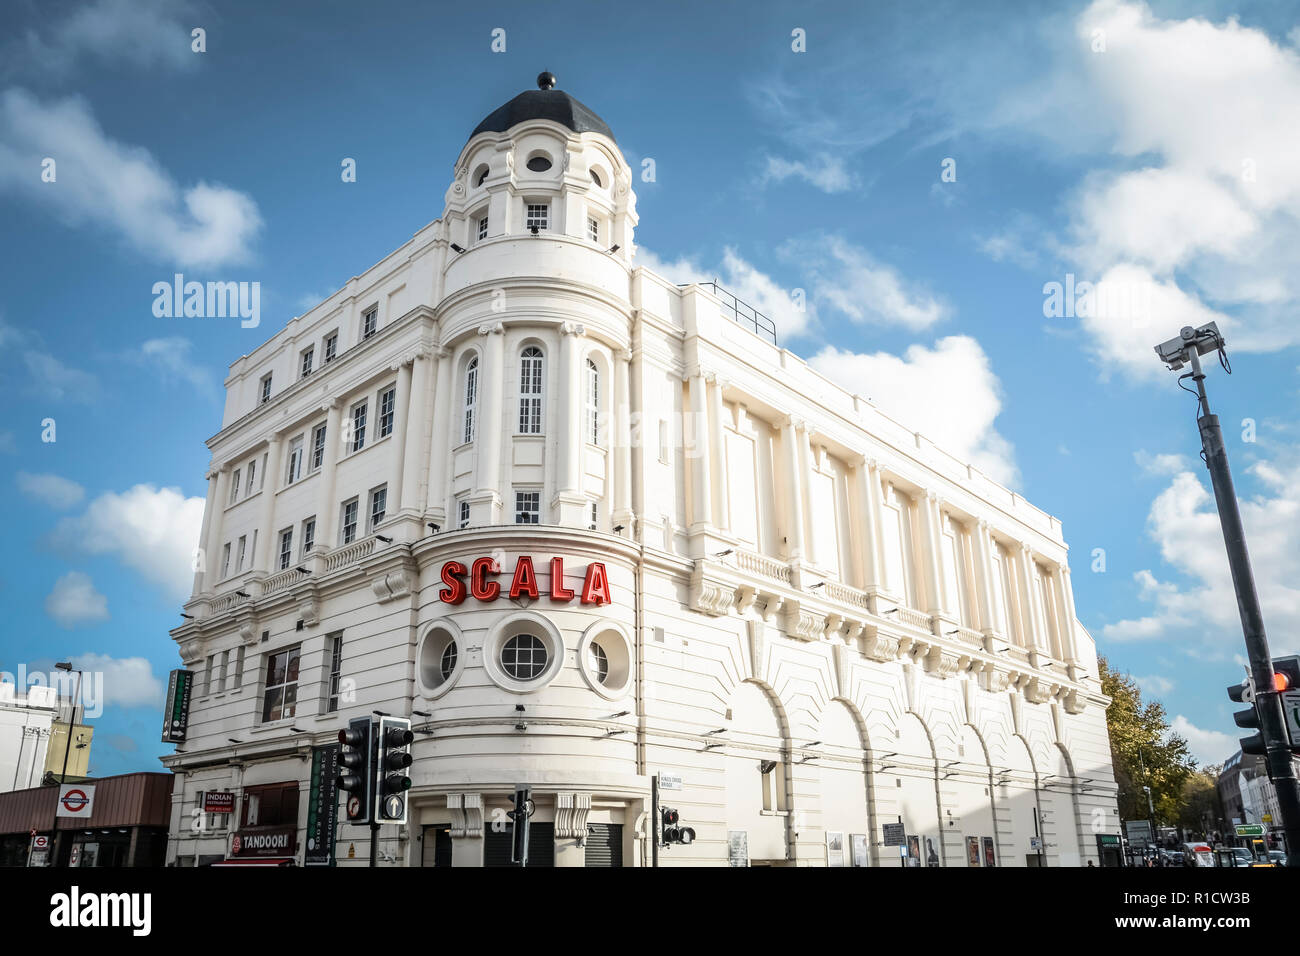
(1064, 613)
(569, 504)
(266, 513)
(1025, 580)
(980, 547)
(401, 413)
(485, 503)
(214, 510)
(442, 422)
(790, 430)
(866, 530)
(622, 501)
(414, 425)
(697, 453)
(327, 510)
(718, 454)
(931, 542)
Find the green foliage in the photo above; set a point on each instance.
(1145, 752)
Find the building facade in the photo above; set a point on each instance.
(586, 526)
(26, 724)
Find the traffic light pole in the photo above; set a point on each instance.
(1268, 701)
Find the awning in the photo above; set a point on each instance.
(257, 861)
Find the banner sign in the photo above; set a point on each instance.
(271, 842)
(176, 711)
(322, 806)
(76, 800)
(218, 801)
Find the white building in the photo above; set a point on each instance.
(25, 724)
(817, 619)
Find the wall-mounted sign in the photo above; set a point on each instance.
(858, 844)
(218, 801)
(990, 857)
(670, 781)
(479, 581)
(322, 806)
(972, 851)
(76, 800)
(176, 711)
(738, 847)
(894, 834)
(271, 842)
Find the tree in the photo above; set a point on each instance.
(1144, 751)
(1200, 811)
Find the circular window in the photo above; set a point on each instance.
(447, 665)
(595, 178)
(524, 656)
(539, 164)
(605, 659)
(598, 661)
(439, 661)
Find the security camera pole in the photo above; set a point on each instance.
(1192, 344)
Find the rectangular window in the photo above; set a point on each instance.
(286, 548)
(225, 560)
(464, 514)
(252, 477)
(348, 527)
(539, 215)
(318, 447)
(593, 229)
(295, 461)
(359, 426)
(528, 507)
(239, 562)
(331, 346)
(237, 677)
(335, 644)
(387, 411)
(225, 670)
(378, 504)
(591, 526)
(369, 322)
(266, 389)
(308, 536)
(772, 774)
(530, 391)
(234, 488)
(483, 227)
(281, 700)
(308, 357)
(271, 805)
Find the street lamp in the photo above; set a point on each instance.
(1187, 349)
(67, 666)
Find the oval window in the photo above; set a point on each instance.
(539, 164)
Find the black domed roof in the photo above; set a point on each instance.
(546, 103)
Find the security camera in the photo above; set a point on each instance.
(1174, 352)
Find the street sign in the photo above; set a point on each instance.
(1250, 829)
(1291, 706)
(322, 806)
(1035, 843)
(894, 834)
(176, 713)
(1266, 817)
(670, 781)
(76, 800)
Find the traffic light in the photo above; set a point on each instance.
(356, 773)
(519, 816)
(391, 782)
(1244, 693)
(673, 832)
(1286, 681)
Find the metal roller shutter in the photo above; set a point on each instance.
(604, 844)
(541, 846)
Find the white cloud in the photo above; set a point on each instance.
(1155, 685)
(75, 601)
(846, 278)
(948, 393)
(53, 380)
(140, 33)
(825, 172)
(153, 530)
(118, 187)
(128, 681)
(171, 356)
(1184, 522)
(1160, 464)
(1207, 746)
(52, 490)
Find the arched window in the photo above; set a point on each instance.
(530, 391)
(471, 395)
(593, 403)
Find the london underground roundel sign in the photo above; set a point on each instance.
(76, 800)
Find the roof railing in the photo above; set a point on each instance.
(741, 312)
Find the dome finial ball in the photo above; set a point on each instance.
(546, 80)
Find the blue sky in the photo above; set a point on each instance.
(1151, 148)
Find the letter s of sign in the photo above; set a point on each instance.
(479, 585)
(454, 592)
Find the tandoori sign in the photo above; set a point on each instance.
(479, 581)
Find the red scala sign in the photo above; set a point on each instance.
(479, 582)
